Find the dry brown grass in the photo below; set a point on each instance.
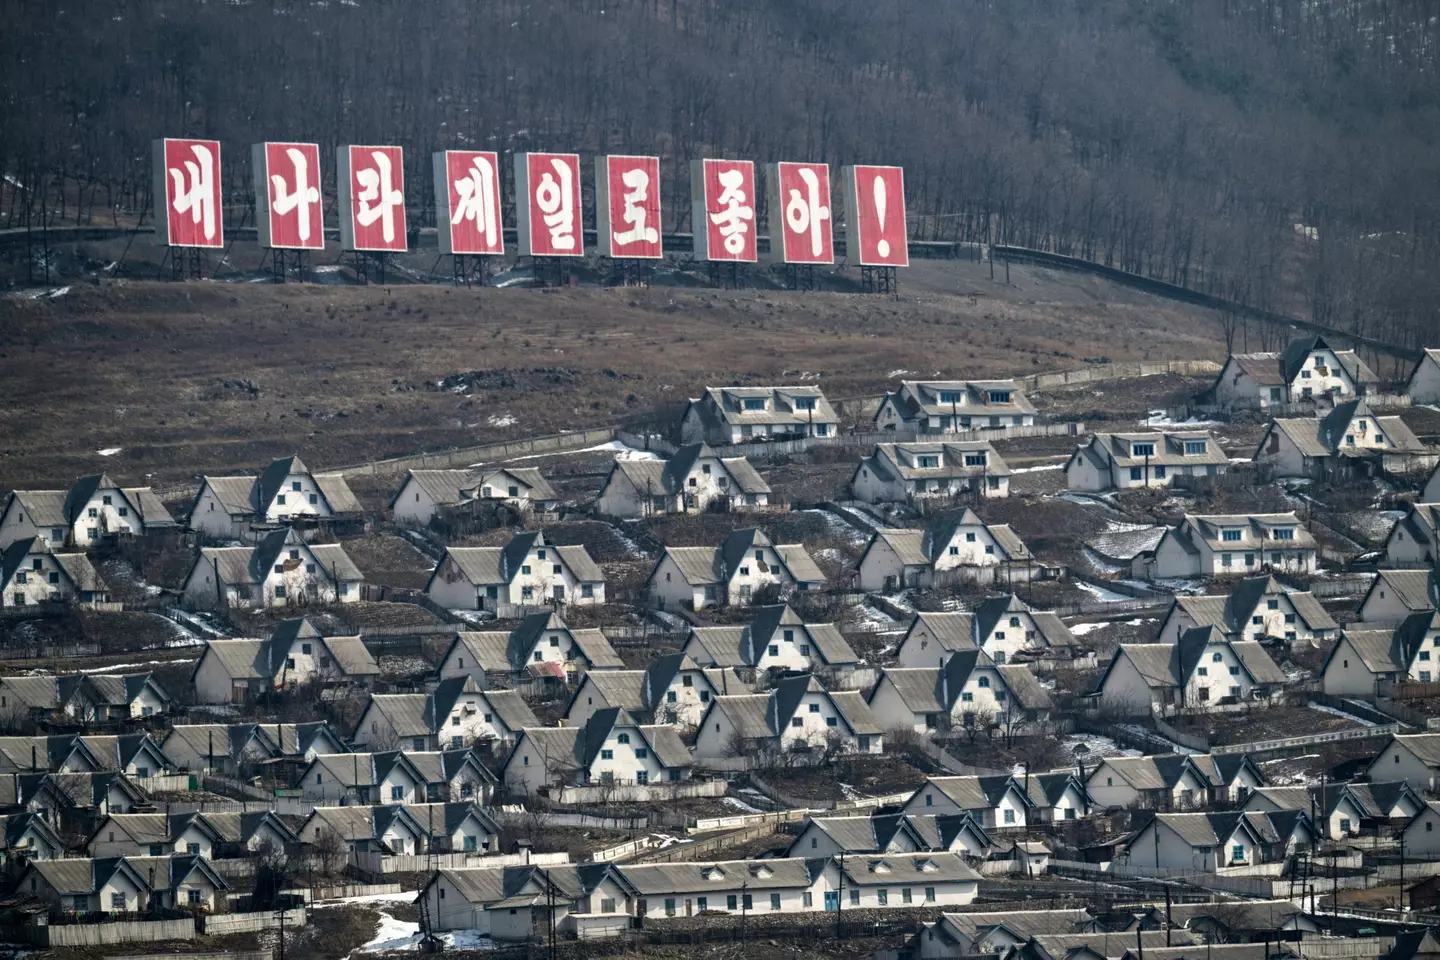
(348, 373)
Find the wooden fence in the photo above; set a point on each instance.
(101, 934)
(1335, 736)
(465, 456)
(374, 863)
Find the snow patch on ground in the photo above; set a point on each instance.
(738, 804)
(474, 617)
(109, 451)
(1101, 594)
(897, 373)
(622, 452)
(1039, 469)
(1096, 747)
(840, 528)
(505, 420)
(1084, 629)
(1160, 418)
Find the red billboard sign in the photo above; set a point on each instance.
(549, 213)
(722, 197)
(467, 198)
(875, 234)
(371, 182)
(187, 182)
(288, 212)
(627, 207)
(800, 221)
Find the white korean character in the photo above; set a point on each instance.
(376, 187)
(303, 195)
(477, 198)
(199, 199)
(558, 205)
(805, 212)
(732, 220)
(638, 183)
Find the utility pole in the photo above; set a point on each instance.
(840, 895)
(281, 914)
(744, 909)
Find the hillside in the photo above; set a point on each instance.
(1278, 151)
(220, 377)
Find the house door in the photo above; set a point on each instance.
(832, 901)
(559, 591)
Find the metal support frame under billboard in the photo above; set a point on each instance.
(369, 265)
(728, 274)
(800, 276)
(285, 263)
(469, 269)
(186, 263)
(555, 271)
(630, 272)
(879, 280)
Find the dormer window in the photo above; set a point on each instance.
(880, 866)
(977, 459)
(762, 872)
(951, 397)
(999, 396)
(1146, 449)
(1232, 535)
(1195, 448)
(928, 866)
(713, 873)
(753, 403)
(928, 462)
(1284, 533)
(801, 403)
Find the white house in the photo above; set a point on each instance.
(959, 833)
(1206, 842)
(727, 415)
(27, 836)
(122, 885)
(1430, 493)
(239, 508)
(1256, 608)
(1003, 627)
(1396, 594)
(90, 511)
(797, 716)
(1362, 660)
(395, 776)
(1424, 383)
(1123, 461)
(390, 828)
(1230, 546)
(966, 691)
(997, 802)
(1421, 836)
(777, 641)
(1308, 370)
(153, 835)
(900, 472)
(1171, 781)
(96, 697)
(672, 689)
(242, 834)
(956, 546)
(456, 714)
(1412, 757)
(541, 645)
(611, 751)
(30, 574)
(745, 567)
(694, 479)
(1415, 539)
(281, 570)
(295, 654)
(1201, 669)
(526, 574)
(953, 406)
(230, 748)
(1337, 444)
(1342, 808)
(134, 754)
(424, 492)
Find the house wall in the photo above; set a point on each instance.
(789, 649)
(483, 840)
(527, 771)
(302, 575)
(147, 704)
(1125, 691)
(471, 719)
(814, 713)
(213, 684)
(624, 764)
(1424, 386)
(690, 701)
(1425, 667)
(1234, 389)
(1431, 493)
(1224, 677)
(316, 664)
(1081, 474)
(1171, 561)
(1334, 380)
(298, 496)
(1383, 607)
(548, 573)
(1110, 789)
(1403, 550)
(748, 576)
(1280, 452)
(451, 589)
(414, 507)
(713, 740)
(1015, 632)
(462, 662)
(620, 498)
(200, 592)
(17, 525)
(1422, 836)
(920, 648)
(97, 517)
(930, 801)
(449, 910)
(1071, 800)
(1165, 849)
(881, 562)
(866, 486)
(961, 551)
(555, 646)
(669, 590)
(891, 711)
(47, 583)
(210, 517)
(1397, 762)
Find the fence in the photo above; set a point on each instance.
(346, 891)
(622, 850)
(101, 934)
(750, 819)
(1118, 371)
(465, 456)
(1266, 746)
(699, 849)
(170, 783)
(1192, 740)
(374, 863)
(639, 792)
(1086, 607)
(229, 955)
(223, 923)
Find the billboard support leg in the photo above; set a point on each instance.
(630, 273)
(369, 266)
(469, 269)
(554, 271)
(800, 276)
(879, 280)
(726, 275)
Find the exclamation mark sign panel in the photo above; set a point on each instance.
(883, 247)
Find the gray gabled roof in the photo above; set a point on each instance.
(441, 486)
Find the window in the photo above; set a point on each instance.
(774, 901)
(967, 697)
(289, 663)
(641, 777)
(557, 569)
(1237, 853)
(905, 895)
(929, 894)
(670, 696)
(280, 500)
(1234, 671)
(754, 403)
(1136, 473)
(514, 491)
(976, 459)
(928, 462)
(525, 568)
(999, 396)
(1194, 448)
(732, 902)
(669, 906)
(117, 901)
(1216, 658)
(882, 896)
(1009, 817)
(1424, 676)
(20, 577)
(744, 571)
(607, 754)
(747, 901)
(984, 683)
(607, 905)
(774, 650)
(623, 738)
(192, 848)
(527, 593)
(1257, 620)
(863, 743)
(1225, 559)
(831, 722)
(796, 722)
(807, 900)
(1160, 472)
(642, 752)
(309, 568)
(1146, 449)
(814, 708)
(156, 850)
(855, 894)
(804, 403)
(1230, 536)
(1203, 671)
(969, 538)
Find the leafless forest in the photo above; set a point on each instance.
(1277, 151)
